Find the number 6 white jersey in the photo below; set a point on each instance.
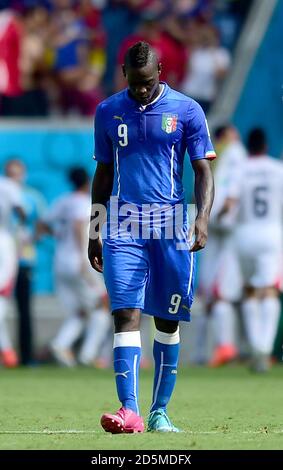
(258, 236)
(259, 190)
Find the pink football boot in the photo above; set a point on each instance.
(124, 421)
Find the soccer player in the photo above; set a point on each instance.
(34, 205)
(10, 202)
(140, 154)
(81, 291)
(220, 282)
(259, 239)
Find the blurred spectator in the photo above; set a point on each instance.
(23, 70)
(120, 20)
(33, 204)
(64, 58)
(11, 36)
(170, 53)
(228, 18)
(96, 34)
(34, 65)
(78, 82)
(208, 65)
(192, 8)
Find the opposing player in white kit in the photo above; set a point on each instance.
(220, 280)
(80, 290)
(10, 200)
(258, 192)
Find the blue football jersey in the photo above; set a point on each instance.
(148, 143)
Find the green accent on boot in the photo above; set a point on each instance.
(158, 421)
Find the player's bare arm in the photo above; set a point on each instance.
(100, 194)
(204, 194)
(228, 205)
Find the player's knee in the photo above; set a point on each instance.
(126, 319)
(250, 292)
(166, 326)
(269, 292)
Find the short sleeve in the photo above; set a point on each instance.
(198, 140)
(235, 181)
(103, 150)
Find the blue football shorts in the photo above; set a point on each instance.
(152, 275)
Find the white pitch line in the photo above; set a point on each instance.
(74, 431)
(46, 431)
(229, 432)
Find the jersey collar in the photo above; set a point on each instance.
(149, 105)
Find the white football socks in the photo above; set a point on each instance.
(261, 320)
(5, 342)
(223, 316)
(97, 329)
(69, 332)
(251, 319)
(269, 318)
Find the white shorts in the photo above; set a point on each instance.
(260, 255)
(8, 263)
(219, 269)
(76, 294)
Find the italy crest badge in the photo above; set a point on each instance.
(169, 122)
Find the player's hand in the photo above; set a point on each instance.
(200, 233)
(95, 254)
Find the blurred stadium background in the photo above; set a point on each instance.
(60, 58)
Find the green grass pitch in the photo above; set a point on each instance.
(53, 408)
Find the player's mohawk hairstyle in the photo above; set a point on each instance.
(139, 55)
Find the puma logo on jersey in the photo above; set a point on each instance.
(120, 118)
(123, 374)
